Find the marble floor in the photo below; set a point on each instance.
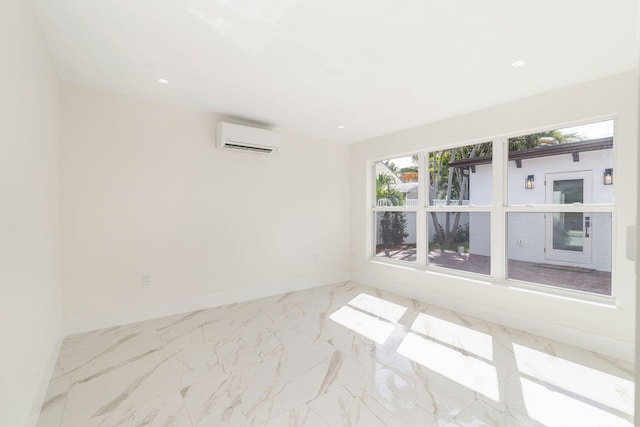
(340, 355)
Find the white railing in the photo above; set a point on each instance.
(413, 203)
(443, 202)
(408, 203)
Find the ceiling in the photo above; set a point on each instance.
(311, 66)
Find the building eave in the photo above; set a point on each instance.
(573, 148)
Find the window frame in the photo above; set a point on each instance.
(498, 212)
(373, 208)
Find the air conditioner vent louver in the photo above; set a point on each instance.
(234, 146)
(248, 139)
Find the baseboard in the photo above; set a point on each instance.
(43, 379)
(139, 314)
(600, 344)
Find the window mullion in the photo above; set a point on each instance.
(498, 218)
(421, 220)
(371, 203)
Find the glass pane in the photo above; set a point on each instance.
(461, 175)
(568, 231)
(397, 182)
(396, 235)
(460, 240)
(568, 191)
(562, 166)
(566, 249)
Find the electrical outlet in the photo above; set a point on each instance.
(146, 279)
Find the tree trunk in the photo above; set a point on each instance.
(433, 193)
(451, 235)
(450, 178)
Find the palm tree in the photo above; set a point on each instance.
(551, 137)
(385, 191)
(392, 167)
(383, 181)
(393, 225)
(451, 184)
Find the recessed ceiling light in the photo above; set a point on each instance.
(517, 64)
(163, 81)
(341, 127)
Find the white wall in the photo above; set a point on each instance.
(592, 161)
(608, 329)
(632, 252)
(410, 228)
(145, 191)
(29, 216)
(527, 239)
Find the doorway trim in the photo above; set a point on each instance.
(574, 256)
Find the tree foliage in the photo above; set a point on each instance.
(386, 194)
(392, 167)
(451, 184)
(534, 140)
(392, 225)
(398, 227)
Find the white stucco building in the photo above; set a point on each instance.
(559, 174)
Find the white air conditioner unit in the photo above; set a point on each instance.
(247, 138)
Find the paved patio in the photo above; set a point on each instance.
(402, 253)
(593, 281)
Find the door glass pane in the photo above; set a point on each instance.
(568, 191)
(568, 231)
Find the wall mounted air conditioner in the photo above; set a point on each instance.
(247, 138)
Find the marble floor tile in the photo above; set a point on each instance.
(367, 351)
(111, 389)
(164, 411)
(216, 402)
(71, 340)
(271, 388)
(297, 417)
(567, 397)
(340, 355)
(184, 328)
(54, 403)
(416, 394)
(236, 321)
(344, 407)
(480, 414)
(84, 360)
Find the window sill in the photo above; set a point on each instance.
(510, 285)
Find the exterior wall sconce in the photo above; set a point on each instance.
(608, 176)
(528, 183)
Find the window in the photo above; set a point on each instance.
(395, 209)
(556, 180)
(459, 206)
(552, 191)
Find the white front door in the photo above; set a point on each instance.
(568, 234)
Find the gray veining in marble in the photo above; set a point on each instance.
(340, 355)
